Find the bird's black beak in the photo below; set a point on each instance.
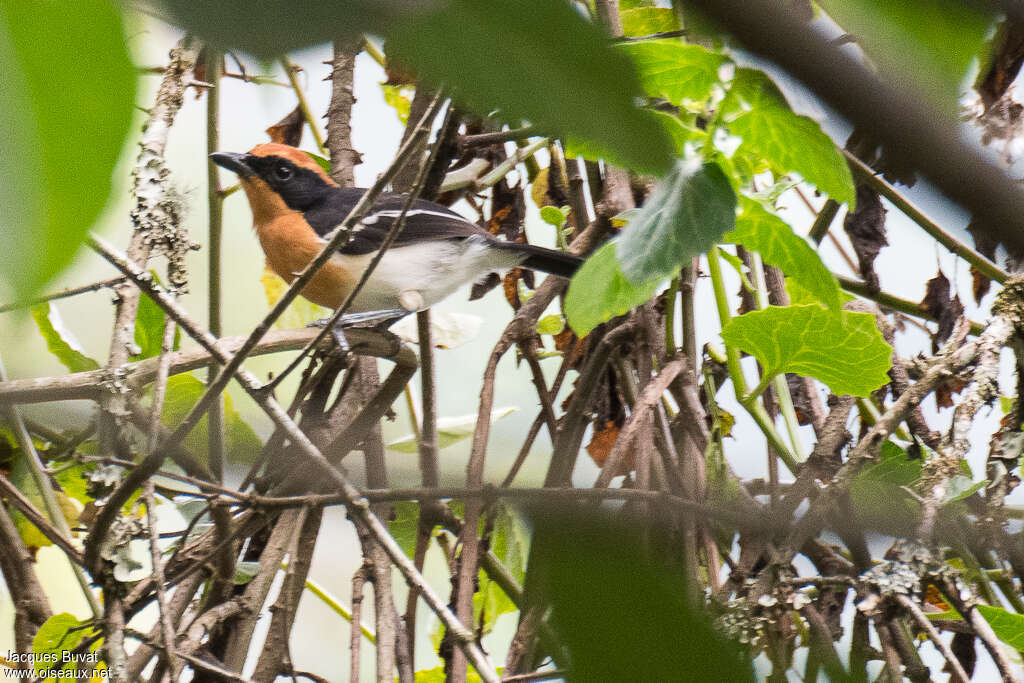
(233, 161)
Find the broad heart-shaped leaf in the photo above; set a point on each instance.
(939, 37)
(1009, 627)
(789, 142)
(59, 340)
(599, 292)
(845, 351)
(645, 21)
(684, 216)
(674, 70)
(65, 121)
(761, 230)
(240, 441)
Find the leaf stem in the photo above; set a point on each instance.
(739, 382)
(779, 380)
(292, 72)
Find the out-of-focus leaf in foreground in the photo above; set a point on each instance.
(621, 613)
(66, 100)
(536, 60)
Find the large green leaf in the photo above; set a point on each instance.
(761, 230)
(59, 341)
(240, 441)
(1009, 627)
(684, 216)
(845, 351)
(759, 115)
(931, 42)
(674, 70)
(66, 100)
(535, 60)
(599, 292)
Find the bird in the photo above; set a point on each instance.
(296, 207)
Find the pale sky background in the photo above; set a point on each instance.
(904, 268)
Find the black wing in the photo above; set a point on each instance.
(425, 221)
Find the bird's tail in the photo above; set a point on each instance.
(551, 261)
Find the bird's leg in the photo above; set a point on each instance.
(384, 319)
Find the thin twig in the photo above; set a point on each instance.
(933, 635)
(63, 294)
(156, 557)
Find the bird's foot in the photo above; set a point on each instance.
(384, 319)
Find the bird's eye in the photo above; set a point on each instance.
(283, 172)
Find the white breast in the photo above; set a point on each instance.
(432, 269)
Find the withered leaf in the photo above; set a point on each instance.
(601, 444)
(944, 309)
(288, 131)
(866, 229)
(1007, 59)
(945, 391)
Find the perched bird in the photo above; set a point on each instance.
(296, 207)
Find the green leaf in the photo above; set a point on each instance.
(599, 291)
(404, 524)
(761, 230)
(240, 441)
(962, 486)
(1008, 627)
(245, 572)
(65, 121)
(490, 602)
(675, 71)
(149, 327)
(323, 163)
(450, 430)
(789, 142)
(684, 216)
(59, 634)
(398, 96)
(939, 37)
(645, 21)
(59, 340)
(678, 131)
(879, 493)
(510, 542)
(552, 215)
(550, 324)
(845, 351)
(798, 294)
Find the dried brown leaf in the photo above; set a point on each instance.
(288, 131)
